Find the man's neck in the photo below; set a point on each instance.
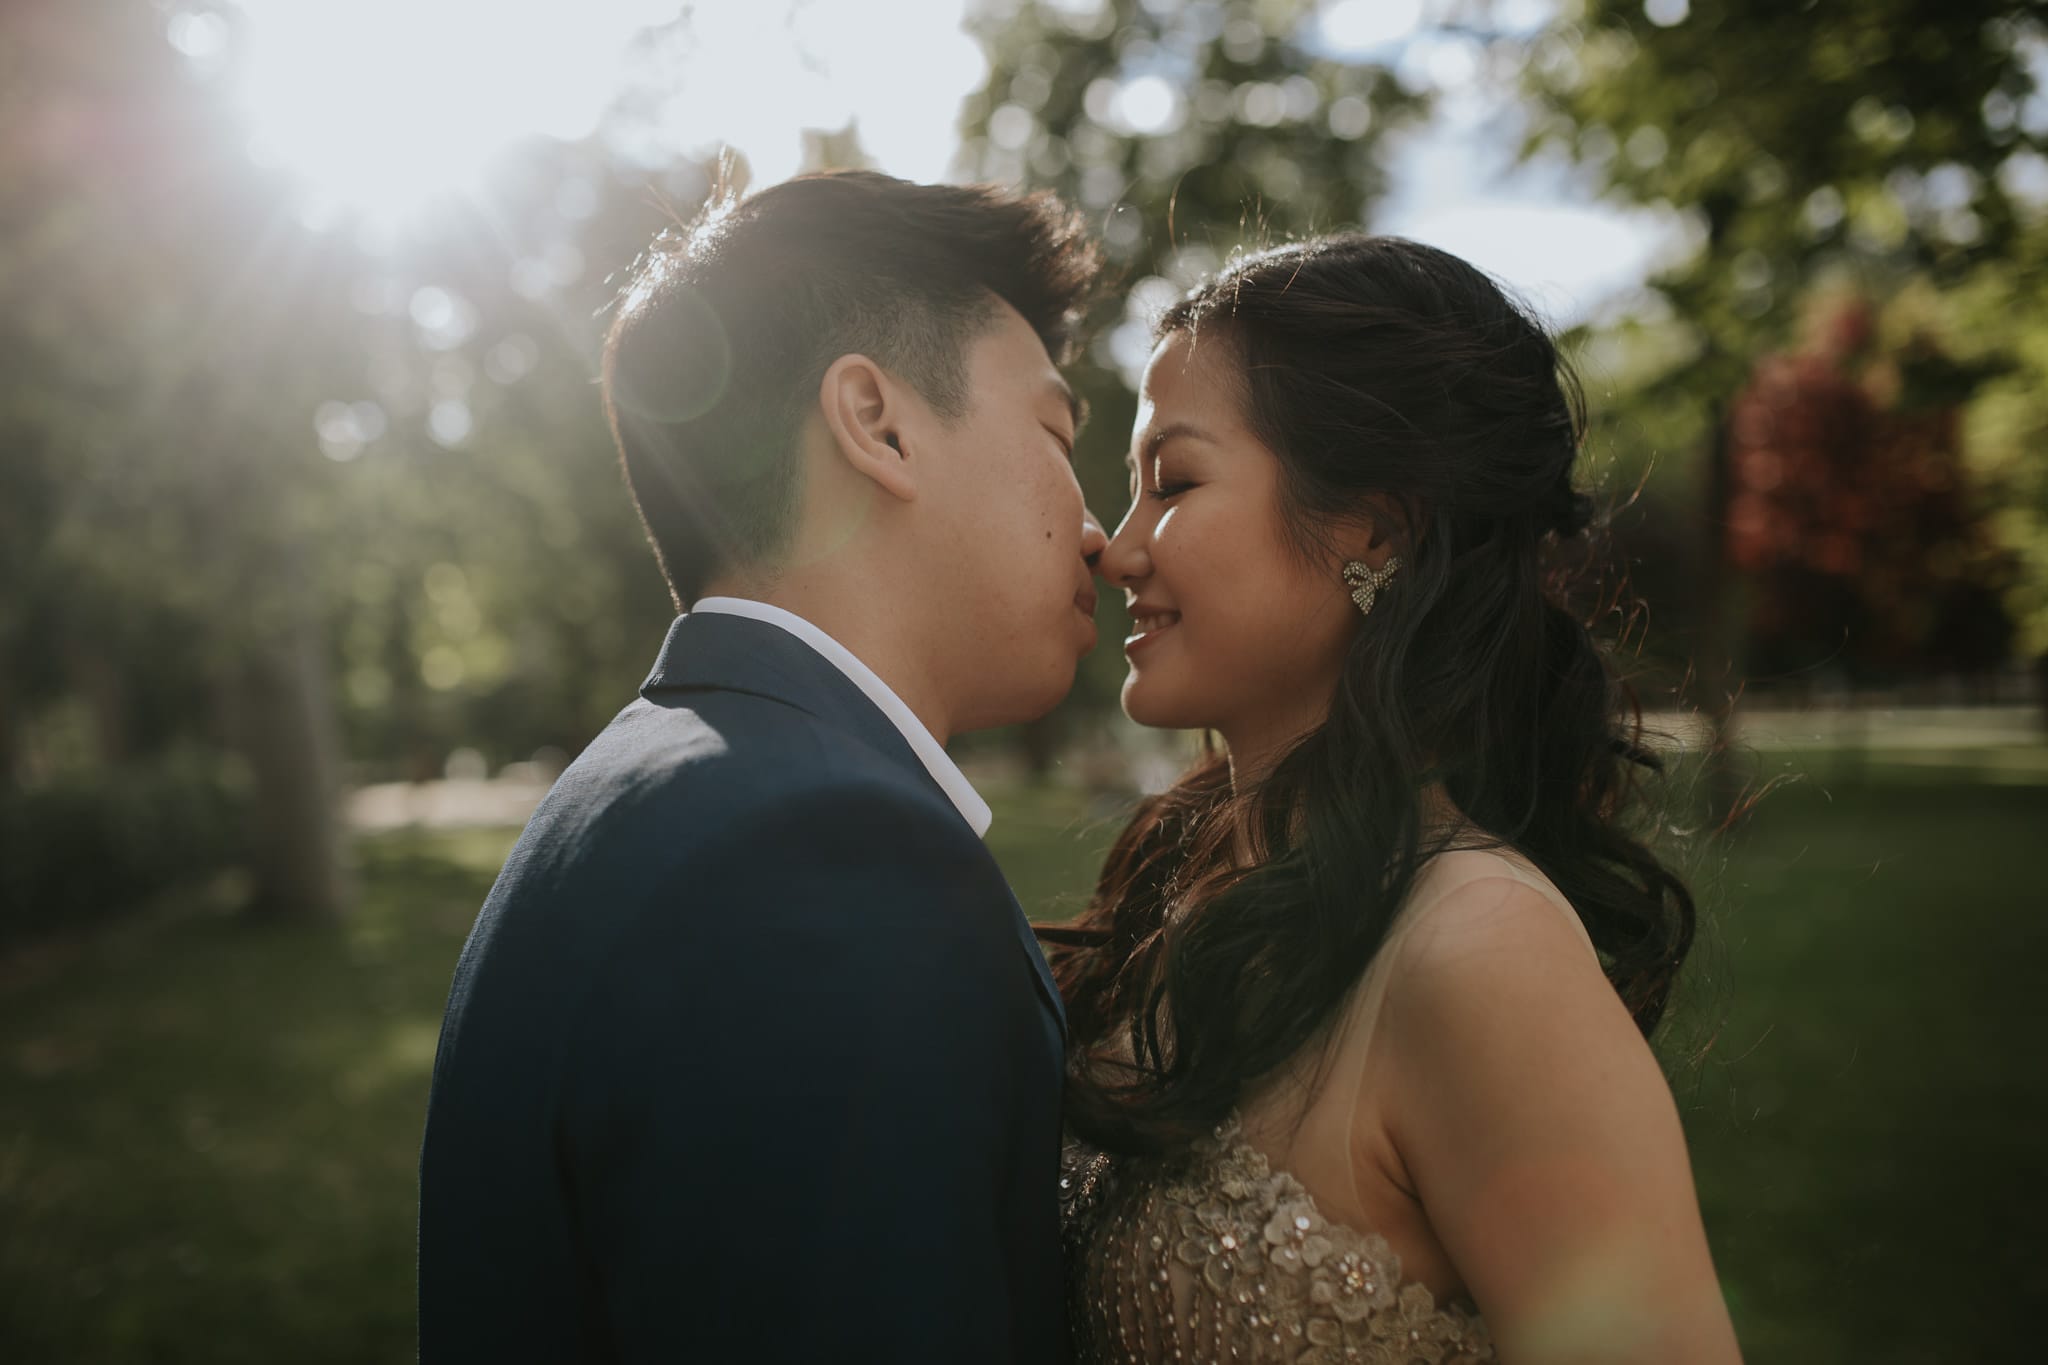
(863, 634)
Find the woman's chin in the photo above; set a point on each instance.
(1146, 705)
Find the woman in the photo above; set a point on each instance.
(1358, 1013)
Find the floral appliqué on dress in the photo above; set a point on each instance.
(1210, 1255)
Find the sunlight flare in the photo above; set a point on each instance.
(379, 110)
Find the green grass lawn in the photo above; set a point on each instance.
(208, 1131)
(1870, 1124)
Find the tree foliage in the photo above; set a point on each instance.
(1848, 512)
(1897, 145)
(278, 495)
(1896, 135)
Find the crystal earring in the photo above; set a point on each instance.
(1366, 583)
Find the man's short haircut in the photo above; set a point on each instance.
(725, 329)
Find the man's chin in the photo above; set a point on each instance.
(1022, 706)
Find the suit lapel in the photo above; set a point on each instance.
(1040, 971)
(712, 651)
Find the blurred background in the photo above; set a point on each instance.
(315, 567)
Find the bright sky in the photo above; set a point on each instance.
(379, 107)
(1455, 184)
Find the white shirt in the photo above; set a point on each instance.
(929, 751)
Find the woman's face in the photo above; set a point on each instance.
(1231, 630)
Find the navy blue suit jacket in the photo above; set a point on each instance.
(750, 1055)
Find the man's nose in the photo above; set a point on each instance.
(1094, 540)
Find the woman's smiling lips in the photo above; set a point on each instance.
(1148, 623)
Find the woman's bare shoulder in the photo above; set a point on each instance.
(1536, 1127)
(1497, 978)
(1487, 901)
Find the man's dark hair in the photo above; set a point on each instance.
(726, 327)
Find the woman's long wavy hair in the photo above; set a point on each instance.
(1230, 922)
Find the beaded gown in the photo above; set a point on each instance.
(1217, 1253)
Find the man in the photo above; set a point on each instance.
(751, 1054)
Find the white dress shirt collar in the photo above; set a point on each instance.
(929, 751)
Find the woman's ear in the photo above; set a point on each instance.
(1380, 531)
(863, 409)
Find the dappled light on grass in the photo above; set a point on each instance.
(402, 1056)
(210, 1133)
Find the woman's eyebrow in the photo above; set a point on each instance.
(1161, 437)
(1172, 430)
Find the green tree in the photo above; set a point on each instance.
(495, 590)
(1889, 136)
(1893, 142)
(276, 498)
(158, 598)
(1847, 508)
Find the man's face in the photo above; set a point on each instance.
(1006, 521)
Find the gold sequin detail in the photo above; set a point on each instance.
(1210, 1255)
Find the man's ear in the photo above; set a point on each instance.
(864, 409)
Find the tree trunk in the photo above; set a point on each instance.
(10, 722)
(2041, 687)
(1716, 681)
(104, 689)
(289, 735)
(1038, 741)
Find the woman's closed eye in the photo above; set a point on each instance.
(1167, 491)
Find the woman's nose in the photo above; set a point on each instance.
(1123, 560)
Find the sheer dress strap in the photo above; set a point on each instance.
(1307, 1120)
